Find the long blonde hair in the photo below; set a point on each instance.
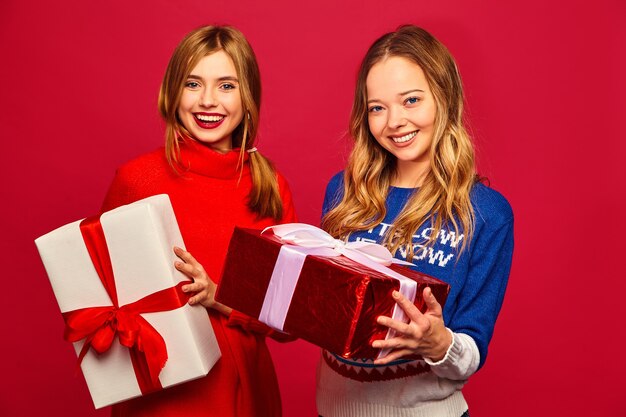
(443, 198)
(264, 197)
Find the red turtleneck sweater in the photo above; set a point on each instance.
(209, 199)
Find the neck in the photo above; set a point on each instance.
(410, 174)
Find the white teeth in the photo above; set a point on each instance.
(404, 138)
(204, 118)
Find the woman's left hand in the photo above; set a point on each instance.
(425, 334)
(203, 287)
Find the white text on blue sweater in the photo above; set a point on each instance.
(446, 239)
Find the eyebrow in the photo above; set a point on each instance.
(225, 78)
(416, 90)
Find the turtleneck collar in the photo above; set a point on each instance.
(202, 159)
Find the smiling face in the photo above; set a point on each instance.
(401, 115)
(210, 106)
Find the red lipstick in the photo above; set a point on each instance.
(206, 124)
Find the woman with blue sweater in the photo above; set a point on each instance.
(411, 184)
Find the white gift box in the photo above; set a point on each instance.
(140, 238)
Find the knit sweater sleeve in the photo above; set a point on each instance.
(333, 194)
(289, 211)
(250, 324)
(490, 256)
(121, 191)
(461, 359)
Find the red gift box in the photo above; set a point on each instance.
(335, 302)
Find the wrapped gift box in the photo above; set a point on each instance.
(336, 300)
(139, 238)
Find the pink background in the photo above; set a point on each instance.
(544, 83)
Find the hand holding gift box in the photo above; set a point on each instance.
(114, 279)
(296, 281)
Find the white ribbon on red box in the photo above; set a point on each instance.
(301, 240)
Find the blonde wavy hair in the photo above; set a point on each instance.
(443, 198)
(264, 197)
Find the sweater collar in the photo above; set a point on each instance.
(203, 160)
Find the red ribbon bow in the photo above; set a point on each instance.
(99, 325)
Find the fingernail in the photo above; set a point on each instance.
(178, 264)
(395, 294)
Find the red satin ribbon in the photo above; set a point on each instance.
(99, 325)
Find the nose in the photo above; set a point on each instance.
(207, 98)
(396, 118)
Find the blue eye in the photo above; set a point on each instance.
(375, 109)
(227, 86)
(192, 84)
(411, 100)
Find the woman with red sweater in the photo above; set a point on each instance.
(216, 179)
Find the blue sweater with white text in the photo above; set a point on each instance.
(477, 276)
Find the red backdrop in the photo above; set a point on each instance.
(546, 100)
